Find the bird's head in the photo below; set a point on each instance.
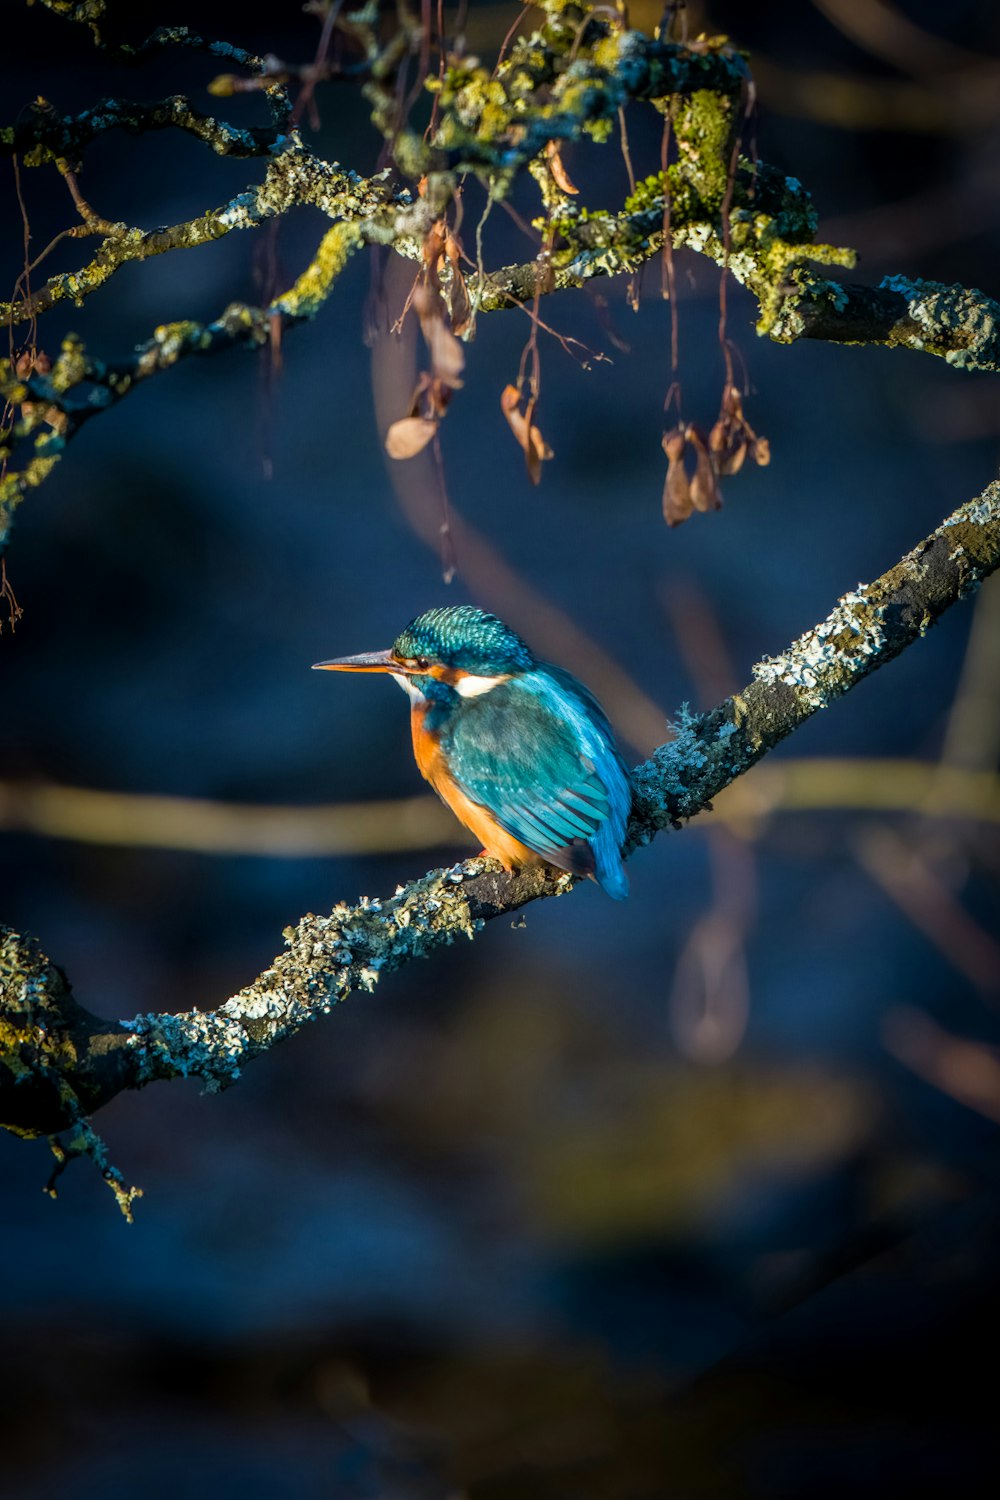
(459, 645)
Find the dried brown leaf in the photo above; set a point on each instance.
(510, 400)
(544, 451)
(705, 494)
(536, 451)
(32, 361)
(677, 486)
(732, 437)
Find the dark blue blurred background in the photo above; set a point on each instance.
(594, 1207)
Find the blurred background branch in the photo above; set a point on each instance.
(202, 826)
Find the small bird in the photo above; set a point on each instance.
(518, 749)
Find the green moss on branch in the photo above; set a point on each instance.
(563, 84)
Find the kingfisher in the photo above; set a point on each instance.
(521, 752)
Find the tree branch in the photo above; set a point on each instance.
(58, 1063)
(56, 405)
(568, 80)
(42, 134)
(772, 252)
(92, 13)
(294, 178)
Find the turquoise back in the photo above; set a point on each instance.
(538, 752)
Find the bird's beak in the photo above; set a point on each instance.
(368, 661)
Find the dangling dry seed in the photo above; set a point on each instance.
(673, 443)
(557, 167)
(409, 436)
(731, 462)
(704, 490)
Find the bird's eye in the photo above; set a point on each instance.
(421, 663)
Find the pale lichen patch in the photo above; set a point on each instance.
(822, 661)
(956, 322)
(324, 960)
(978, 512)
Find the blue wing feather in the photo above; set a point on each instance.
(538, 752)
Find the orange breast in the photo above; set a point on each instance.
(426, 746)
(511, 853)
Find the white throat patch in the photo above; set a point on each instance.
(468, 687)
(472, 686)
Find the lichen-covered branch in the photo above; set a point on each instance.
(93, 14)
(958, 323)
(294, 178)
(771, 250)
(58, 1063)
(55, 405)
(771, 228)
(868, 628)
(42, 135)
(569, 80)
(564, 82)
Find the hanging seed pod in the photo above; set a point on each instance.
(536, 450)
(409, 436)
(704, 486)
(728, 447)
(677, 505)
(558, 169)
(733, 460)
(461, 309)
(673, 443)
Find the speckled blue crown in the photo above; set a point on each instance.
(464, 637)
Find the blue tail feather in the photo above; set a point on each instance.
(611, 875)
